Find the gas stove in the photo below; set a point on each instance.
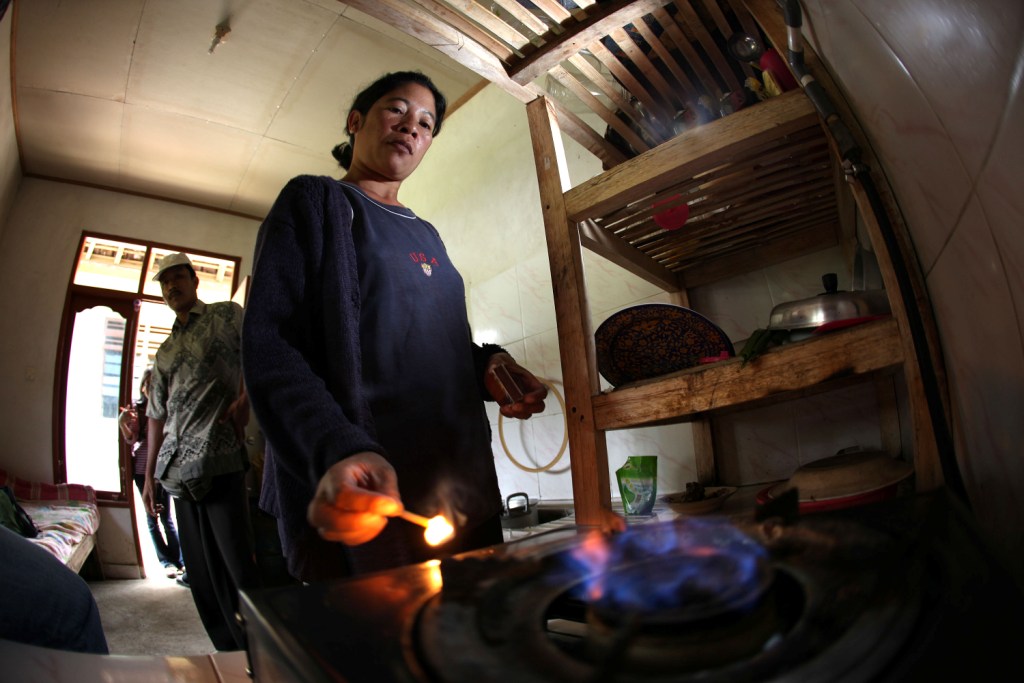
(895, 591)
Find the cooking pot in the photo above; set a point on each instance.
(849, 478)
(829, 307)
(519, 512)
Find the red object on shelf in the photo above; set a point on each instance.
(849, 322)
(773, 63)
(839, 503)
(674, 217)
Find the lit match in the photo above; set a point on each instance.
(438, 529)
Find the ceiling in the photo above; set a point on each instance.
(137, 95)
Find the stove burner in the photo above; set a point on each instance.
(673, 641)
(565, 618)
(692, 570)
(897, 591)
(680, 589)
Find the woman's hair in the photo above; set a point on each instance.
(147, 376)
(378, 89)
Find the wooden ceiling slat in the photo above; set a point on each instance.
(712, 8)
(553, 10)
(663, 104)
(688, 93)
(614, 94)
(609, 117)
(610, 88)
(636, 89)
(692, 151)
(782, 249)
(675, 34)
(693, 22)
(449, 34)
(436, 14)
(492, 23)
(523, 16)
(599, 22)
(726, 29)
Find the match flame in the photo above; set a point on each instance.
(438, 530)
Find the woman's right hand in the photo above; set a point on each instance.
(354, 499)
(128, 422)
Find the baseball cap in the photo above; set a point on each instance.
(170, 261)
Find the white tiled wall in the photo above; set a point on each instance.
(939, 86)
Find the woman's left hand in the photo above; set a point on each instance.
(527, 393)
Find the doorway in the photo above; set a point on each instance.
(114, 322)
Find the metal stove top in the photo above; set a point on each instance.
(890, 592)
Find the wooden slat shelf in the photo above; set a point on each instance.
(757, 177)
(780, 373)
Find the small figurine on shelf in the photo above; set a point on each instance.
(755, 86)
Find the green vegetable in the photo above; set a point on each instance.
(760, 341)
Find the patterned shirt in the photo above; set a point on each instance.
(196, 376)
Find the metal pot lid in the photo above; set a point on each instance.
(830, 306)
(851, 472)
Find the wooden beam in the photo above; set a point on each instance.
(588, 450)
(427, 28)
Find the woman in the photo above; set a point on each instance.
(133, 424)
(359, 361)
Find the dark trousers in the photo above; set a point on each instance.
(168, 551)
(217, 543)
(44, 603)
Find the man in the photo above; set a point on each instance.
(197, 412)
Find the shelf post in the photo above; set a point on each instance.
(588, 451)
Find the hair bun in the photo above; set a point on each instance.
(343, 154)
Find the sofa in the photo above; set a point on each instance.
(66, 517)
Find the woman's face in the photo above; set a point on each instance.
(393, 136)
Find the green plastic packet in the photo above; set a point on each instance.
(638, 484)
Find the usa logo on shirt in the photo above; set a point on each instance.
(426, 263)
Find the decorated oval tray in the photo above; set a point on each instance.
(650, 340)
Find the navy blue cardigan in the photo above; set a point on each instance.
(301, 359)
